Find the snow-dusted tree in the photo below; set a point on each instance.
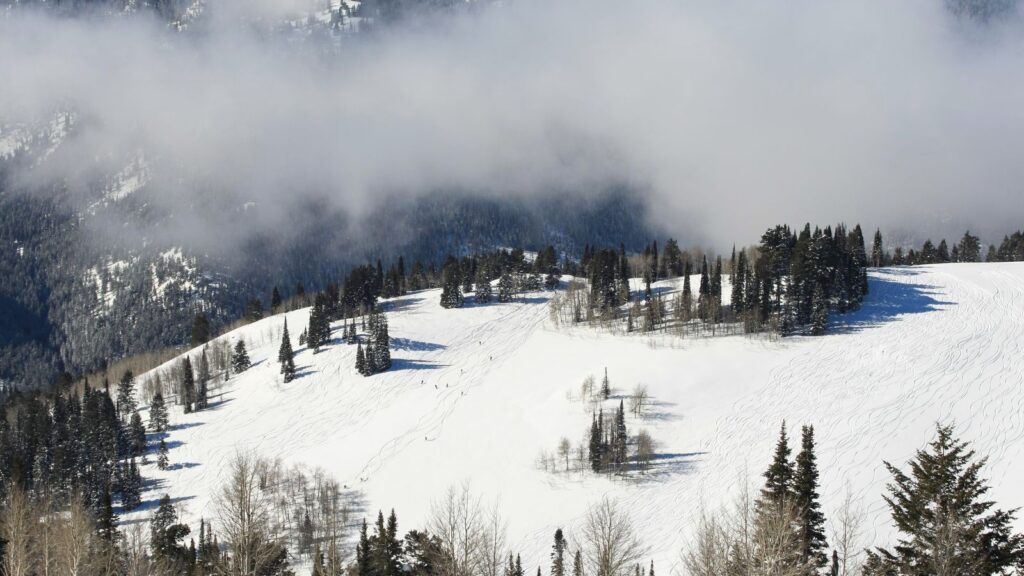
(451, 293)
(240, 359)
(126, 404)
(203, 383)
(507, 288)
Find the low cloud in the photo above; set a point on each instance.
(726, 115)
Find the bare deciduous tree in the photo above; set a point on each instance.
(243, 509)
(609, 541)
(564, 449)
(846, 536)
(638, 400)
(17, 526)
(457, 520)
(644, 449)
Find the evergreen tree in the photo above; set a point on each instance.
(577, 564)
(161, 455)
(240, 359)
(106, 520)
(158, 414)
(595, 445)
(451, 293)
(969, 248)
(188, 384)
(285, 356)
(361, 361)
(506, 288)
(558, 554)
(620, 437)
(275, 301)
(126, 404)
(606, 387)
(202, 390)
(200, 330)
(484, 291)
(944, 521)
(877, 252)
(364, 554)
(779, 476)
(805, 490)
(131, 487)
(819, 314)
(137, 431)
(165, 534)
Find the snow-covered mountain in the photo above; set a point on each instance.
(485, 393)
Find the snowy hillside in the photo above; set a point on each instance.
(479, 393)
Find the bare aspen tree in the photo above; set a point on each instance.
(638, 400)
(564, 449)
(74, 541)
(17, 527)
(846, 535)
(243, 510)
(493, 548)
(708, 554)
(609, 541)
(644, 449)
(456, 519)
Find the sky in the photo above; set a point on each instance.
(727, 116)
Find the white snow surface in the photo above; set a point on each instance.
(477, 393)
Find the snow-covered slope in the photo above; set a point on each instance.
(478, 393)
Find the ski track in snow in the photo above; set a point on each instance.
(478, 392)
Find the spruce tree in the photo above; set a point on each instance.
(202, 390)
(240, 359)
(131, 487)
(606, 387)
(137, 431)
(779, 476)
(577, 564)
(126, 404)
(161, 455)
(595, 445)
(943, 517)
(558, 554)
(484, 291)
(188, 384)
(805, 492)
(877, 252)
(158, 414)
(361, 361)
(451, 293)
(819, 311)
(200, 329)
(275, 301)
(285, 355)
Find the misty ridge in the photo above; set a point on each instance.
(723, 115)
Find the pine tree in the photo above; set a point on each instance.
(202, 391)
(943, 518)
(819, 311)
(285, 355)
(451, 293)
(161, 455)
(188, 385)
(106, 520)
(275, 301)
(558, 554)
(137, 431)
(577, 564)
(594, 445)
(240, 359)
(131, 487)
(779, 476)
(364, 554)
(126, 404)
(805, 490)
(877, 252)
(620, 437)
(361, 361)
(484, 291)
(200, 330)
(158, 414)
(506, 288)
